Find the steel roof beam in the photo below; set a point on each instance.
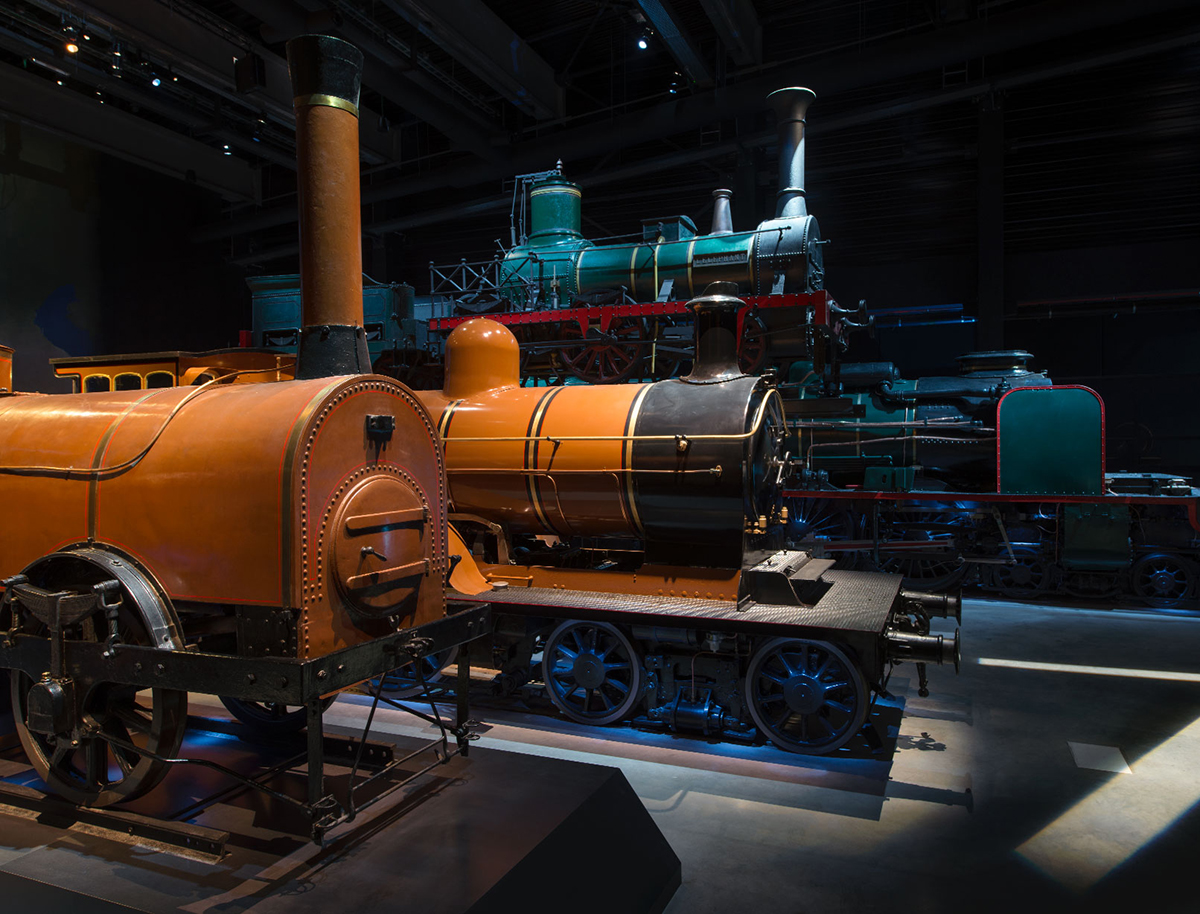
(666, 23)
(737, 25)
(1043, 22)
(393, 75)
(479, 40)
(41, 103)
(206, 58)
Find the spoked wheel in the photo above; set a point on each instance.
(271, 718)
(593, 673)
(402, 682)
(936, 570)
(97, 763)
(1028, 577)
(671, 354)
(603, 357)
(752, 348)
(814, 521)
(806, 696)
(1163, 579)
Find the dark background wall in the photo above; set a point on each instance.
(95, 259)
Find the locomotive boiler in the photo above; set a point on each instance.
(272, 543)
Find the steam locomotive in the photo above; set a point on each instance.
(273, 543)
(630, 539)
(277, 542)
(995, 477)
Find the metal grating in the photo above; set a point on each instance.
(857, 601)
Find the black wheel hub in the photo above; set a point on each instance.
(589, 671)
(803, 695)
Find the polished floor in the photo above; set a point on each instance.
(1057, 772)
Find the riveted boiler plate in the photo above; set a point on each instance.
(380, 552)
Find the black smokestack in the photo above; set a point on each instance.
(716, 334)
(790, 107)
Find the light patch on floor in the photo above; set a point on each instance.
(1090, 670)
(1099, 758)
(1115, 821)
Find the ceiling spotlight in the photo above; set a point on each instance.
(60, 82)
(87, 37)
(72, 47)
(156, 82)
(117, 52)
(643, 43)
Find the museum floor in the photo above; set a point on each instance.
(1057, 772)
(1051, 788)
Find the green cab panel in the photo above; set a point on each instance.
(1051, 441)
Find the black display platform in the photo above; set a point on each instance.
(496, 832)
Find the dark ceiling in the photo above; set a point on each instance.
(1100, 101)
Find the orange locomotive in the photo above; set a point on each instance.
(268, 542)
(629, 534)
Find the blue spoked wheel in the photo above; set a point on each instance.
(805, 696)
(592, 671)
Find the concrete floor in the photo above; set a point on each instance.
(1068, 787)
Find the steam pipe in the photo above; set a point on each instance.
(790, 107)
(326, 75)
(722, 221)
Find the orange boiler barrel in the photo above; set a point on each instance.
(255, 495)
(676, 464)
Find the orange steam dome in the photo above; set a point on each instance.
(481, 355)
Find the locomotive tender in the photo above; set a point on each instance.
(272, 543)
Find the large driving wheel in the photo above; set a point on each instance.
(592, 671)
(1029, 576)
(752, 347)
(603, 356)
(806, 696)
(937, 569)
(97, 762)
(1163, 579)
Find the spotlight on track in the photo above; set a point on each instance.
(156, 82)
(643, 41)
(72, 47)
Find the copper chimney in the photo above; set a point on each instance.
(326, 75)
(790, 107)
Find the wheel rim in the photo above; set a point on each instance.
(95, 770)
(271, 717)
(752, 348)
(1028, 577)
(806, 696)
(1163, 579)
(402, 681)
(593, 673)
(611, 357)
(921, 572)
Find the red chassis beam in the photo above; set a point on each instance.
(820, 301)
(1187, 501)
